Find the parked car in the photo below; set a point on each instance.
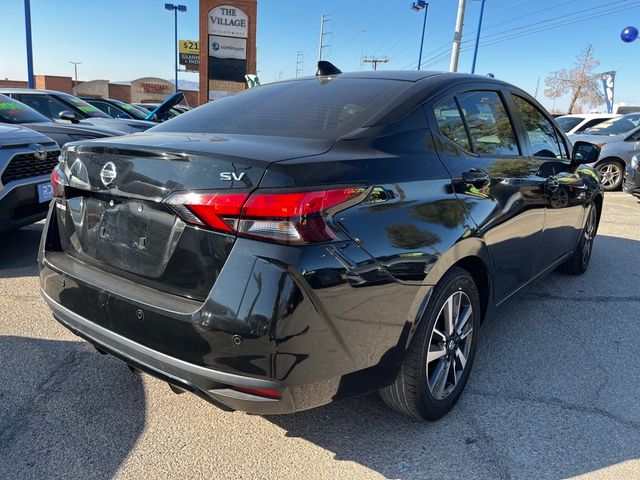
(14, 112)
(319, 238)
(116, 108)
(619, 139)
(632, 179)
(63, 107)
(576, 123)
(26, 161)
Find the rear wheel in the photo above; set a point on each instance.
(439, 359)
(578, 262)
(611, 174)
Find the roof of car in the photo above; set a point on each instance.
(590, 115)
(31, 90)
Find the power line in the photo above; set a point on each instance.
(499, 37)
(543, 28)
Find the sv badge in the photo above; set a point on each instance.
(232, 176)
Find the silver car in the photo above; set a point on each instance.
(619, 139)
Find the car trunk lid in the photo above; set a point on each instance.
(113, 216)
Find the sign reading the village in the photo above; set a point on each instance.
(228, 21)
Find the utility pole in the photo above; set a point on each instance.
(375, 61)
(362, 32)
(457, 36)
(475, 49)
(299, 63)
(537, 87)
(323, 19)
(75, 68)
(27, 27)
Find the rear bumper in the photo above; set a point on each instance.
(19, 205)
(212, 385)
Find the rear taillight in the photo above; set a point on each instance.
(286, 217)
(58, 182)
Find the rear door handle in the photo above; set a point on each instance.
(476, 177)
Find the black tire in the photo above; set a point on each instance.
(611, 174)
(411, 393)
(578, 262)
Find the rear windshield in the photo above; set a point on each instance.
(616, 126)
(568, 123)
(312, 108)
(84, 107)
(135, 112)
(12, 111)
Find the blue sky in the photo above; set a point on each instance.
(125, 39)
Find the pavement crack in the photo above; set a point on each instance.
(556, 402)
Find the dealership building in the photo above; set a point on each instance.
(141, 90)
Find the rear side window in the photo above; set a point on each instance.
(314, 108)
(591, 123)
(569, 123)
(450, 123)
(540, 131)
(489, 126)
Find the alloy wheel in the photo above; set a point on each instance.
(589, 235)
(610, 175)
(449, 345)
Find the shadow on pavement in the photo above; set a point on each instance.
(19, 252)
(554, 392)
(65, 411)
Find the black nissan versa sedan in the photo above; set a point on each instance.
(319, 238)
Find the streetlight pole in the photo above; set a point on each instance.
(176, 9)
(27, 26)
(416, 7)
(457, 36)
(75, 68)
(475, 50)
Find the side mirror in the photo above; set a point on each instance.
(67, 115)
(584, 152)
(122, 116)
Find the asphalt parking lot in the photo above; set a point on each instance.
(554, 393)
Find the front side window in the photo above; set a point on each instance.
(450, 123)
(540, 131)
(46, 105)
(489, 126)
(12, 111)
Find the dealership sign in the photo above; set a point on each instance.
(189, 53)
(228, 21)
(227, 47)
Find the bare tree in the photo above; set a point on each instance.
(581, 82)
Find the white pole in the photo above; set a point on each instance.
(321, 37)
(457, 36)
(362, 32)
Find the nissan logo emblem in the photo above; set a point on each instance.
(108, 173)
